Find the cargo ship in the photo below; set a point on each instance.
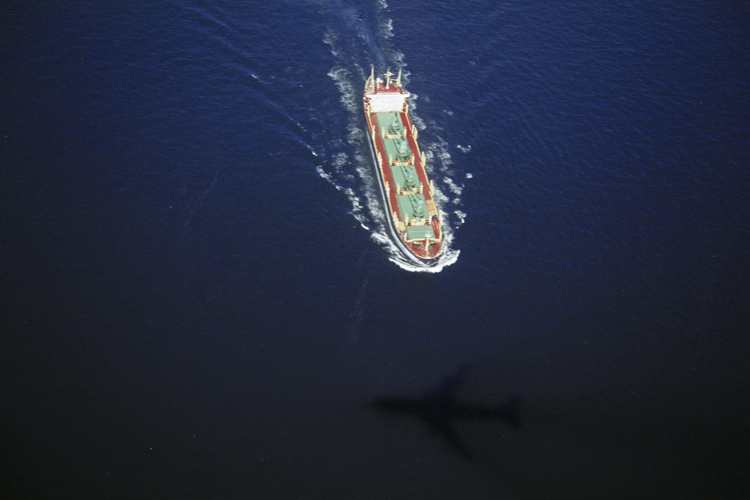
(414, 221)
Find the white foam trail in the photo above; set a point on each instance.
(342, 79)
(455, 188)
(441, 154)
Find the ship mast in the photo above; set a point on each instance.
(398, 79)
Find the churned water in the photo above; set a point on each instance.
(199, 298)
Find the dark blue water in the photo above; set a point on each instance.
(199, 300)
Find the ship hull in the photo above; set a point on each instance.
(413, 219)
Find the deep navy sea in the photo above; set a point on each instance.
(199, 300)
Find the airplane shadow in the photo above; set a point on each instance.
(593, 439)
(439, 409)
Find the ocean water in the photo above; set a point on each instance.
(199, 299)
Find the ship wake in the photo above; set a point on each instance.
(358, 37)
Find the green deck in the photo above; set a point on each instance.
(411, 206)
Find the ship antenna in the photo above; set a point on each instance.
(388, 76)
